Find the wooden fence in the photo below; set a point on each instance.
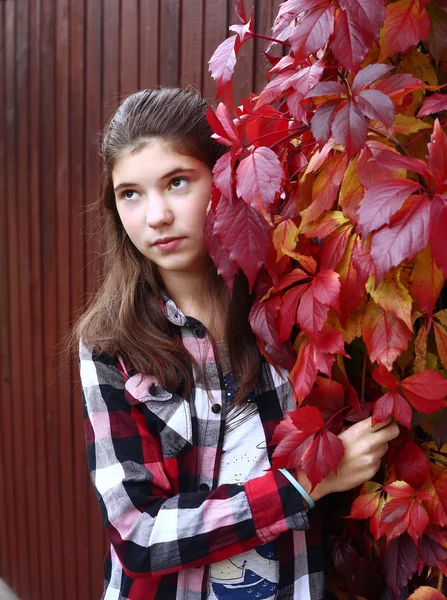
(64, 65)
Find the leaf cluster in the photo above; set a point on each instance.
(332, 200)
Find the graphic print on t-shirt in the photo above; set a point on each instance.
(239, 578)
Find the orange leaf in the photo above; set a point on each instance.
(406, 23)
(441, 343)
(393, 297)
(284, 237)
(385, 336)
(427, 280)
(426, 593)
(351, 191)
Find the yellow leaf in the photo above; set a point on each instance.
(420, 347)
(392, 296)
(418, 64)
(432, 361)
(284, 238)
(441, 343)
(408, 125)
(351, 191)
(442, 317)
(427, 280)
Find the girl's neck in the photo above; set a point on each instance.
(196, 296)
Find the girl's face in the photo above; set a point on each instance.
(162, 199)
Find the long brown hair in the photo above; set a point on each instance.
(126, 316)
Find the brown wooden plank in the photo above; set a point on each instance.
(77, 186)
(5, 368)
(15, 529)
(191, 47)
(39, 414)
(67, 490)
(265, 14)
(93, 124)
(149, 43)
(170, 43)
(27, 441)
(110, 72)
(129, 46)
(214, 32)
(48, 222)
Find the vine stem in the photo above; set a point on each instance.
(270, 39)
(362, 392)
(440, 581)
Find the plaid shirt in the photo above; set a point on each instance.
(154, 461)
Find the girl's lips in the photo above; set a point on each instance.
(169, 245)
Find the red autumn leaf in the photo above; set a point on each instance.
(287, 313)
(330, 341)
(350, 128)
(438, 227)
(436, 505)
(400, 562)
(382, 201)
(403, 513)
(322, 294)
(223, 174)
(304, 372)
(244, 234)
(324, 453)
(385, 336)
(385, 378)
(352, 278)
(225, 267)
(392, 404)
(223, 61)
(263, 320)
(335, 247)
(406, 23)
(398, 86)
(437, 159)
(328, 396)
(225, 119)
(369, 74)
(312, 32)
(433, 104)
(411, 464)
(433, 554)
(239, 6)
(291, 444)
(322, 121)
(259, 178)
(349, 42)
(407, 234)
(376, 105)
(425, 391)
(393, 160)
(369, 15)
(369, 506)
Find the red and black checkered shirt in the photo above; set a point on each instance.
(154, 460)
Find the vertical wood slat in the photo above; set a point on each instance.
(37, 373)
(24, 187)
(64, 66)
(15, 531)
(5, 387)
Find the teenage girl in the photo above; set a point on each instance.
(179, 406)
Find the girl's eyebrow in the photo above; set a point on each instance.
(169, 174)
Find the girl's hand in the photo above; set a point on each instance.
(364, 447)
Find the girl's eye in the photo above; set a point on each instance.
(179, 183)
(129, 194)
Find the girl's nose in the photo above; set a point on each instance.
(158, 211)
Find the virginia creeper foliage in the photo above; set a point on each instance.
(332, 200)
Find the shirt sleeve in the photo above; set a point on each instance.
(153, 530)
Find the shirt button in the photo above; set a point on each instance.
(203, 487)
(199, 330)
(216, 408)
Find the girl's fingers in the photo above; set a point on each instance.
(381, 425)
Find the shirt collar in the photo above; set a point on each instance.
(172, 312)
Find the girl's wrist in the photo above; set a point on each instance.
(318, 491)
